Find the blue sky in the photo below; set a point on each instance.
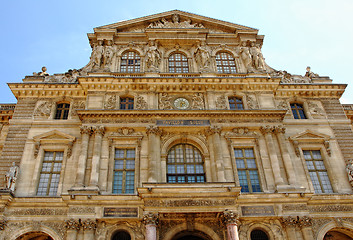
(298, 33)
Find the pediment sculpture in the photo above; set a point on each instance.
(175, 23)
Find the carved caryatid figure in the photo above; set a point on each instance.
(257, 57)
(153, 56)
(349, 169)
(108, 54)
(246, 57)
(202, 56)
(11, 177)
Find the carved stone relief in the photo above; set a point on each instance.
(175, 23)
(221, 102)
(251, 102)
(44, 109)
(140, 103)
(315, 110)
(110, 102)
(165, 101)
(78, 104)
(198, 101)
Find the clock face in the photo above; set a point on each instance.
(181, 103)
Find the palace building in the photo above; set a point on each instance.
(176, 129)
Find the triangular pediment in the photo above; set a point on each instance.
(54, 136)
(185, 20)
(309, 135)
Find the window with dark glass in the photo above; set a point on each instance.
(124, 171)
(298, 111)
(317, 171)
(235, 103)
(225, 63)
(127, 103)
(185, 165)
(258, 235)
(130, 62)
(178, 63)
(62, 111)
(50, 174)
(247, 170)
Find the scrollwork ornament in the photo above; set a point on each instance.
(140, 103)
(72, 224)
(150, 219)
(165, 101)
(221, 102)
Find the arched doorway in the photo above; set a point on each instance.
(191, 235)
(336, 234)
(35, 236)
(121, 235)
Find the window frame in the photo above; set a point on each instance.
(185, 165)
(135, 66)
(127, 104)
(307, 170)
(296, 111)
(124, 171)
(222, 66)
(62, 110)
(176, 61)
(247, 169)
(235, 103)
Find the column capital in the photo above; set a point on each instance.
(152, 129)
(73, 224)
(213, 130)
(86, 130)
(150, 218)
(289, 221)
(267, 129)
(98, 130)
(279, 129)
(230, 217)
(304, 221)
(89, 224)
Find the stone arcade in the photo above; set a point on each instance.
(176, 129)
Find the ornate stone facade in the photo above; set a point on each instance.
(175, 128)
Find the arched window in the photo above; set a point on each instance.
(130, 62)
(298, 111)
(258, 235)
(235, 103)
(121, 235)
(62, 111)
(126, 103)
(178, 63)
(185, 164)
(225, 63)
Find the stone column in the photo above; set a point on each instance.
(89, 227)
(72, 228)
(231, 222)
(289, 224)
(217, 147)
(151, 222)
(98, 135)
(285, 154)
(154, 152)
(86, 131)
(305, 224)
(267, 132)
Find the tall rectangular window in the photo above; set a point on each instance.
(298, 111)
(62, 111)
(317, 171)
(124, 171)
(50, 174)
(247, 170)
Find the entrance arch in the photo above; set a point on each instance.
(191, 235)
(34, 236)
(342, 234)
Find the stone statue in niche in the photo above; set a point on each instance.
(202, 56)
(11, 177)
(153, 57)
(108, 54)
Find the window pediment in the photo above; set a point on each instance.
(53, 137)
(310, 136)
